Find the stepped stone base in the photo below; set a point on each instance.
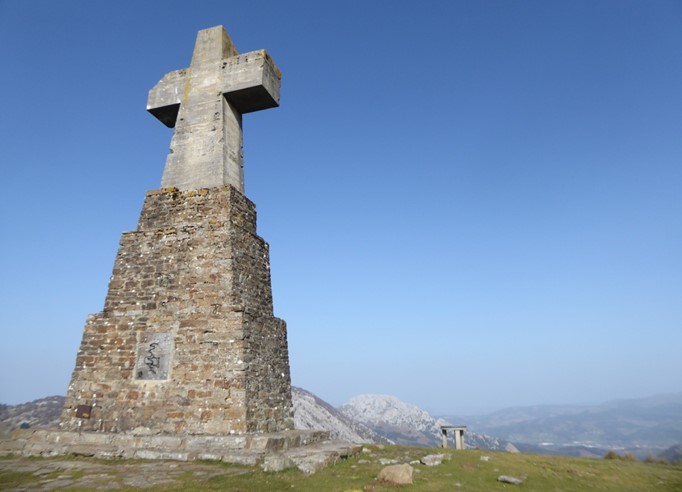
(187, 343)
(308, 450)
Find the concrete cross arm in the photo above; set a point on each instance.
(165, 97)
(205, 104)
(251, 81)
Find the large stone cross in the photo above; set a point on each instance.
(205, 103)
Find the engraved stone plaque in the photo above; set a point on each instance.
(153, 356)
(83, 411)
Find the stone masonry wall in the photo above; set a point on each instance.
(187, 341)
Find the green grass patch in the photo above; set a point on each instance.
(464, 470)
(13, 479)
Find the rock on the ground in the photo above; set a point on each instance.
(276, 463)
(510, 448)
(432, 459)
(397, 474)
(509, 479)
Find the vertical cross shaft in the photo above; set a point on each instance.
(205, 104)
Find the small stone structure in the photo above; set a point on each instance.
(458, 435)
(187, 360)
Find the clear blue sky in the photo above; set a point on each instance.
(470, 205)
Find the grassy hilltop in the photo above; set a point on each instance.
(464, 470)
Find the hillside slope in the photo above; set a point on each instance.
(639, 425)
(311, 412)
(43, 412)
(408, 424)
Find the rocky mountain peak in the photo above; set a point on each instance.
(376, 409)
(408, 424)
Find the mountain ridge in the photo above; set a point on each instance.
(638, 425)
(409, 425)
(311, 412)
(642, 425)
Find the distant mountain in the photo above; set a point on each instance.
(364, 419)
(311, 412)
(673, 454)
(408, 424)
(640, 426)
(44, 412)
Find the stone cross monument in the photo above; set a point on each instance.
(187, 343)
(205, 104)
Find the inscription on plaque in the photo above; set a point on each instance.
(153, 356)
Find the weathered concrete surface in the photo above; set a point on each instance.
(309, 451)
(205, 104)
(317, 456)
(190, 292)
(186, 447)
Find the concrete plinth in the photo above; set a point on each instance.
(308, 450)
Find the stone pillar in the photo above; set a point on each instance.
(459, 437)
(458, 434)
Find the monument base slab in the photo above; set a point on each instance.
(308, 450)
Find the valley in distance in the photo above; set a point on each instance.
(644, 427)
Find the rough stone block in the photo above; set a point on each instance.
(276, 463)
(397, 474)
(432, 459)
(150, 454)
